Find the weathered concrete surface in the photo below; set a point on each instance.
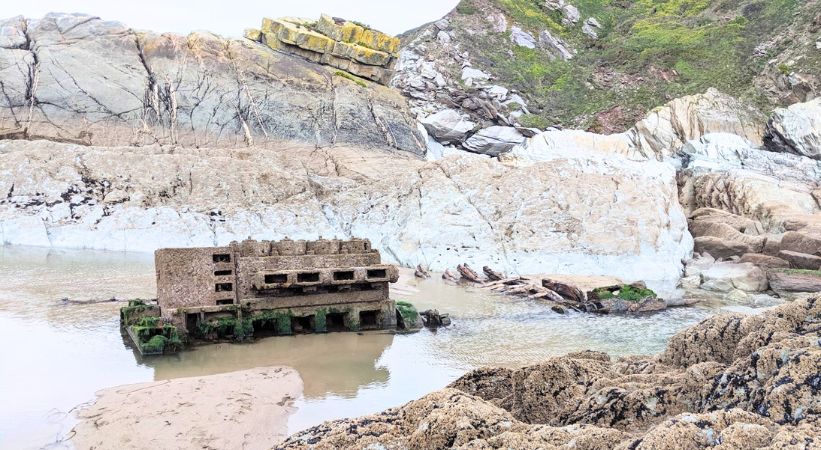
(579, 215)
(744, 382)
(76, 78)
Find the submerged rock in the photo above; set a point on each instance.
(746, 382)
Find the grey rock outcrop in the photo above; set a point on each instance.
(556, 45)
(448, 126)
(729, 382)
(796, 129)
(494, 141)
(522, 38)
(76, 78)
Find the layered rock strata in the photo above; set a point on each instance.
(731, 381)
(78, 79)
(332, 41)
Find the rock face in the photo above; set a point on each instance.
(603, 66)
(744, 382)
(520, 216)
(334, 42)
(78, 79)
(796, 130)
(448, 126)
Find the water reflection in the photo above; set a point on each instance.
(57, 355)
(333, 363)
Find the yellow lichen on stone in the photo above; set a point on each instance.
(253, 34)
(291, 33)
(379, 41)
(361, 54)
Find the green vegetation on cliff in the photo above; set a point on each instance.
(647, 53)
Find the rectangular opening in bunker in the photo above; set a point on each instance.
(335, 322)
(343, 275)
(302, 324)
(308, 277)
(226, 301)
(222, 258)
(191, 321)
(272, 278)
(377, 273)
(368, 319)
(221, 273)
(224, 287)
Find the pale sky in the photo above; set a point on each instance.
(229, 18)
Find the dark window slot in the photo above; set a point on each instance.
(377, 273)
(276, 278)
(302, 324)
(222, 258)
(228, 301)
(367, 319)
(335, 322)
(344, 275)
(224, 287)
(221, 273)
(308, 277)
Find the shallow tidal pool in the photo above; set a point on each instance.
(55, 355)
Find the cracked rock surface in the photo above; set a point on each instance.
(75, 78)
(730, 382)
(518, 215)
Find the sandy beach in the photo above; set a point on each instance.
(248, 409)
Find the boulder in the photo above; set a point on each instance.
(796, 129)
(448, 126)
(801, 260)
(794, 280)
(764, 261)
(802, 242)
(591, 28)
(556, 45)
(473, 76)
(726, 276)
(494, 140)
(719, 247)
(522, 38)
(571, 15)
(732, 238)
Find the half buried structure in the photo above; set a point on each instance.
(254, 288)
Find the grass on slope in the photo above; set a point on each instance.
(694, 44)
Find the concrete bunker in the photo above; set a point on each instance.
(265, 288)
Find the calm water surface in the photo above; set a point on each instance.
(55, 355)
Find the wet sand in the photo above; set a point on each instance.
(248, 409)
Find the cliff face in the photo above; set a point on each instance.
(585, 215)
(601, 65)
(78, 79)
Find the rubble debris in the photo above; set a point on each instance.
(492, 274)
(468, 274)
(431, 318)
(421, 272)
